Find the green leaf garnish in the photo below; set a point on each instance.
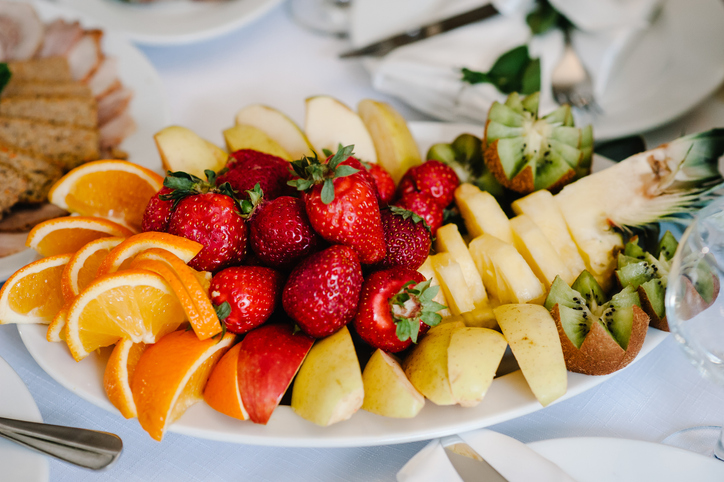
(327, 191)
(514, 71)
(408, 327)
(5, 75)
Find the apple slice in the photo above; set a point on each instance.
(396, 148)
(533, 338)
(538, 252)
(269, 358)
(473, 357)
(278, 126)
(388, 392)
(427, 364)
(329, 123)
(249, 137)
(181, 149)
(329, 386)
(428, 272)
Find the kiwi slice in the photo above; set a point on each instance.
(648, 273)
(598, 335)
(526, 152)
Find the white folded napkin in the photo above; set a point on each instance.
(426, 74)
(511, 458)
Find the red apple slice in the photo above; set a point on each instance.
(269, 358)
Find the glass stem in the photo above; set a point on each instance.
(719, 448)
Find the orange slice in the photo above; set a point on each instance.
(33, 294)
(120, 257)
(222, 390)
(135, 304)
(204, 326)
(116, 190)
(83, 266)
(194, 292)
(70, 233)
(171, 375)
(56, 328)
(119, 373)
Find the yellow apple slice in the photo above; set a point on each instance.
(181, 149)
(329, 387)
(388, 392)
(248, 137)
(473, 357)
(452, 282)
(278, 126)
(538, 252)
(449, 240)
(396, 148)
(329, 123)
(533, 338)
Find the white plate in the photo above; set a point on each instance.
(18, 463)
(174, 22)
(643, 94)
(509, 396)
(148, 108)
(593, 459)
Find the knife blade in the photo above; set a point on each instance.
(470, 466)
(384, 46)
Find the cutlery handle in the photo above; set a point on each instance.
(87, 448)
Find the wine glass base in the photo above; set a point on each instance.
(704, 440)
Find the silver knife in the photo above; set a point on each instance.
(386, 45)
(470, 466)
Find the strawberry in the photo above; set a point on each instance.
(395, 308)
(280, 233)
(341, 204)
(384, 183)
(322, 291)
(247, 167)
(377, 176)
(424, 206)
(407, 237)
(208, 215)
(158, 212)
(252, 293)
(432, 177)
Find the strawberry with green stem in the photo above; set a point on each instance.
(208, 214)
(341, 204)
(396, 308)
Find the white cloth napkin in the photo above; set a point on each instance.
(511, 458)
(426, 74)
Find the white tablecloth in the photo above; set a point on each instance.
(275, 62)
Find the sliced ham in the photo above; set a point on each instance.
(85, 56)
(117, 129)
(21, 31)
(60, 37)
(113, 104)
(104, 78)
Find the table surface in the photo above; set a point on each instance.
(274, 62)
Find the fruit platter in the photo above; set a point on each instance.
(386, 314)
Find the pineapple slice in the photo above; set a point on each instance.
(428, 272)
(505, 273)
(449, 240)
(656, 185)
(530, 242)
(452, 282)
(482, 213)
(543, 210)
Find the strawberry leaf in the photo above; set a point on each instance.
(223, 310)
(422, 309)
(408, 329)
(210, 176)
(327, 194)
(344, 171)
(327, 152)
(407, 214)
(341, 155)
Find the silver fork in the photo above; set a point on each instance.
(571, 82)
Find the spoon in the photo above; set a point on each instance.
(87, 448)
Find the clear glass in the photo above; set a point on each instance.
(695, 312)
(325, 16)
